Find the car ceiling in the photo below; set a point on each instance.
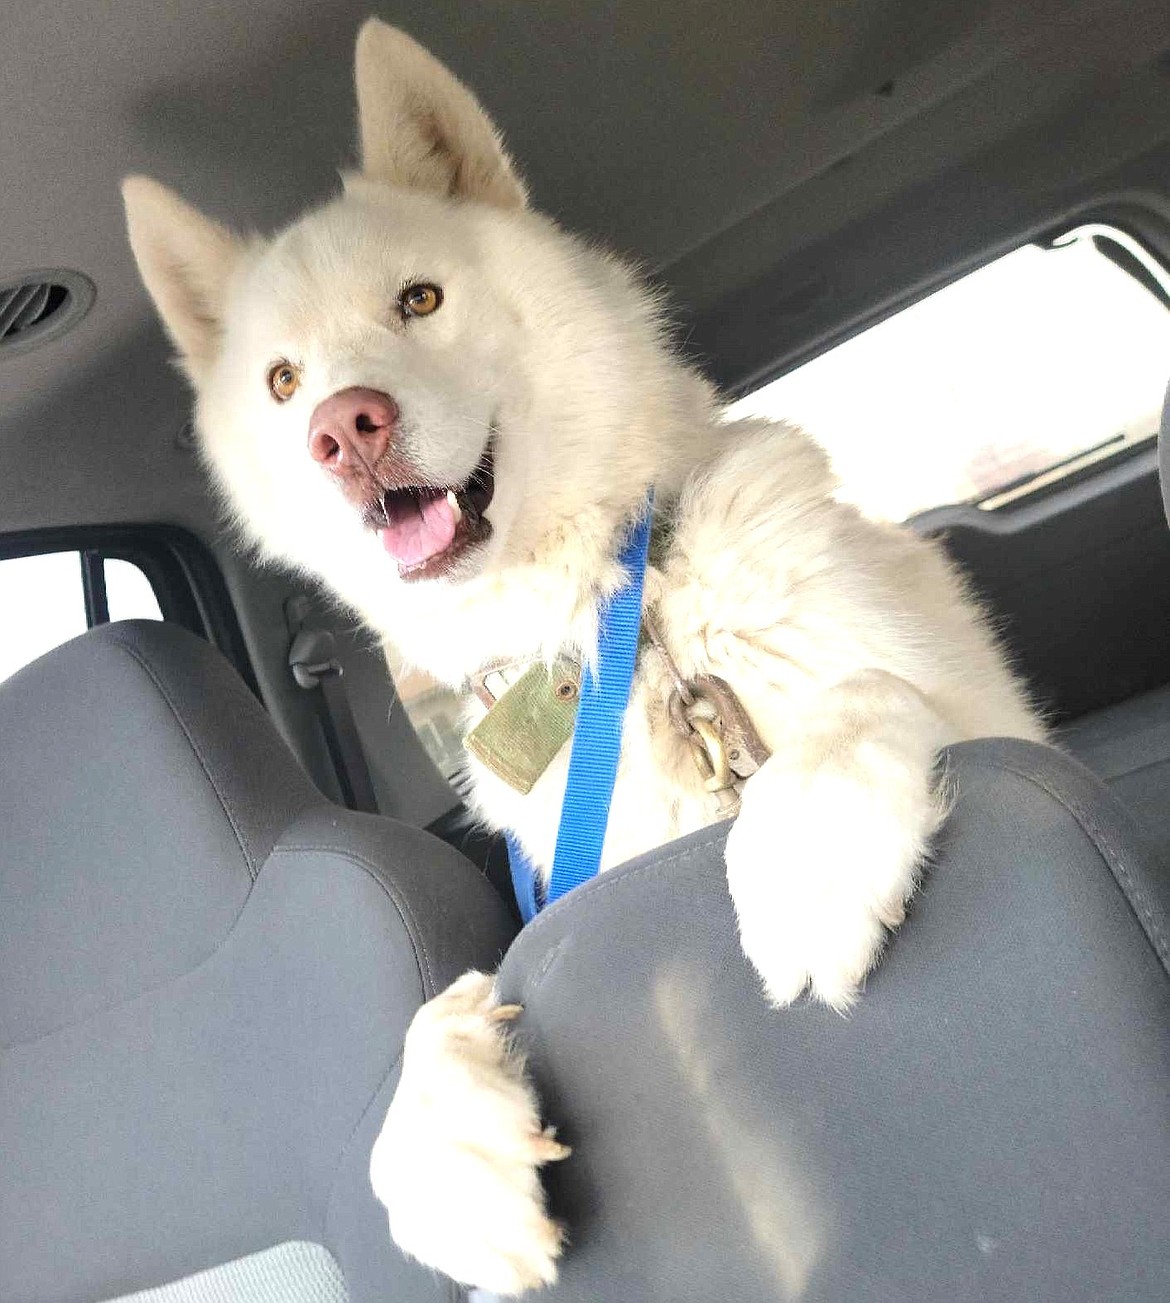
(786, 169)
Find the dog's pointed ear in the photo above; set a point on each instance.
(185, 260)
(423, 129)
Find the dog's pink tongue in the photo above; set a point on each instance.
(419, 530)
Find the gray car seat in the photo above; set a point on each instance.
(989, 1123)
(992, 1122)
(1128, 745)
(206, 972)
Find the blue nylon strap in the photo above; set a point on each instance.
(597, 738)
(525, 882)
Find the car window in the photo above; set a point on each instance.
(128, 592)
(43, 601)
(1044, 360)
(436, 714)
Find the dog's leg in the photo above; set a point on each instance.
(457, 1162)
(831, 834)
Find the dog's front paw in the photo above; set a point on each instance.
(457, 1162)
(798, 938)
(821, 863)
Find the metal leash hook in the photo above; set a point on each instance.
(724, 742)
(725, 745)
(710, 757)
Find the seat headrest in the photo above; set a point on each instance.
(142, 787)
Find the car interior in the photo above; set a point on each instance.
(236, 857)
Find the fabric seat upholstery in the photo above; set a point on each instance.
(988, 1123)
(1128, 746)
(206, 974)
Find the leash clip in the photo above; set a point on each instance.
(710, 755)
(725, 745)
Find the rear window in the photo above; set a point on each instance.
(44, 600)
(1041, 362)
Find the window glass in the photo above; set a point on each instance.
(1047, 358)
(129, 593)
(435, 712)
(43, 604)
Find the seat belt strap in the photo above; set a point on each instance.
(312, 657)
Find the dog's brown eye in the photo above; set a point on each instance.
(283, 381)
(419, 300)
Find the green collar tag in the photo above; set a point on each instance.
(520, 735)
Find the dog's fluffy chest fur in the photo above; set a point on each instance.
(767, 581)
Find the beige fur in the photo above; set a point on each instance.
(852, 643)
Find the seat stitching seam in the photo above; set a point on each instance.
(615, 884)
(341, 1153)
(129, 1000)
(1130, 888)
(1113, 858)
(605, 882)
(430, 986)
(1126, 773)
(1106, 849)
(542, 971)
(224, 805)
(424, 980)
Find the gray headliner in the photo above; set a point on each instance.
(727, 145)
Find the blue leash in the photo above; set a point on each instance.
(597, 739)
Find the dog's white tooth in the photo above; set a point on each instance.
(453, 502)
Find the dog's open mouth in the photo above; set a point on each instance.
(428, 528)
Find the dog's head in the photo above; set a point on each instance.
(418, 382)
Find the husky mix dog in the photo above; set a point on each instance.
(435, 400)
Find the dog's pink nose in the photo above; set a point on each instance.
(352, 429)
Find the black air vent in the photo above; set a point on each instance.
(39, 305)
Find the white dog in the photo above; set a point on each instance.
(449, 410)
